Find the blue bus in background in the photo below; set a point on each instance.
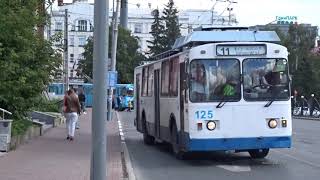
(123, 96)
(56, 91)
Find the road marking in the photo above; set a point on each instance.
(298, 159)
(121, 131)
(234, 168)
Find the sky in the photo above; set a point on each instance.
(248, 12)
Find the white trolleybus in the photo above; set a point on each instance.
(217, 89)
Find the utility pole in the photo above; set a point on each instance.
(229, 9)
(66, 63)
(113, 54)
(42, 12)
(124, 14)
(100, 58)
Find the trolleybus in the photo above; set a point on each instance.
(217, 89)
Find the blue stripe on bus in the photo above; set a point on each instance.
(238, 143)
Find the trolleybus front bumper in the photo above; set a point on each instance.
(238, 143)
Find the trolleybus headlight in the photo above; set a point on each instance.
(272, 123)
(211, 125)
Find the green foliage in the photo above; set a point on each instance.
(45, 105)
(304, 66)
(172, 26)
(128, 56)
(157, 29)
(304, 78)
(27, 61)
(20, 125)
(86, 65)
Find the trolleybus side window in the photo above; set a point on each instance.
(144, 81)
(215, 80)
(165, 67)
(150, 80)
(169, 77)
(265, 79)
(174, 70)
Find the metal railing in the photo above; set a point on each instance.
(3, 113)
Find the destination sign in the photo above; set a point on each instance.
(241, 50)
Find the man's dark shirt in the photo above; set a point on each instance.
(82, 97)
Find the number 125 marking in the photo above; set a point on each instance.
(204, 114)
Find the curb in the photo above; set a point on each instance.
(128, 170)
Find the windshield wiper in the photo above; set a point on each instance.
(269, 103)
(221, 104)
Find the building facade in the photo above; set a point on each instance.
(80, 26)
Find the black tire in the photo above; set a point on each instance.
(147, 139)
(258, 153)
(175, 143)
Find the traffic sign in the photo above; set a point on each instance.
(112, 79)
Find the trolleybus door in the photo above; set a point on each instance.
(138, 120)
(182, 94)
(157, 103)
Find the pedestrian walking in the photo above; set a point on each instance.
(64, 108)
(73, 110)
(82, 100)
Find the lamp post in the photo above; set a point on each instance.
(100, 57)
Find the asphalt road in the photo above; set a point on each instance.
(156, 162)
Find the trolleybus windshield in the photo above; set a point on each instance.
(215, 80)
(265, 79)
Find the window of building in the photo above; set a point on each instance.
(138, 28)
(82, 40)
(82, 25)
(71, 41)
(91, 27)
(71, 58)
(80, 57)
(144, 81)
(58, 26)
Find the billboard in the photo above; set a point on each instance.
(287, 19)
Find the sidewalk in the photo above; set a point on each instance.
(52, 157)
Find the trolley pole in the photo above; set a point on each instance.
(113, 55)
(66, 63)
(100, 57)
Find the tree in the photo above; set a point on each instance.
(172, 27)
(27, 61)
(86, 65)
(128, 56)
(300, 41)
(157, 29)
(304, 66)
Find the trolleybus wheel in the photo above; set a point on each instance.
(147, 139)
(174, 143)
(258, 153)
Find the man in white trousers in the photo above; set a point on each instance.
(72, 113)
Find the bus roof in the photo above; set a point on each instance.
(200, 37)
